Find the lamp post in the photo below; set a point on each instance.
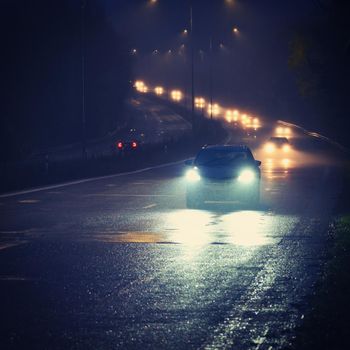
(211, 75)
(193, 116)
(192, 71)
(83, 116)
(235, 32)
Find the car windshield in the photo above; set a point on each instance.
(214, 157)
(279, 140)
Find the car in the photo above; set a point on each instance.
(127, 146)
(277, 143)
(223, 173)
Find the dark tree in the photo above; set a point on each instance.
(320, 58)
(41, 84)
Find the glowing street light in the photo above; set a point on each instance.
(139, 84)
(133, 51)
(229, 116)
(158, 90)
(213, 109)
(280, 131)
(245, 120)
(249, 121)
(235, 30)
(144, 89)
(176, 95)
(235, 115)
(199, 102)
(256, 123)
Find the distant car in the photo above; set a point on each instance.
(277, 143)
(127, 146)
(224, 173)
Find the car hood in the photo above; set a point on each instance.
(221, 172)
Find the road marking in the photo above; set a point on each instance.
(14, 278)
(10, 245)
(29, 201)
(150, 206)
(127, 195)
(77, 182)
(140, 183)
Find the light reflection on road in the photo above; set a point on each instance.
(277, 168)
(197, 227)
(196, 230)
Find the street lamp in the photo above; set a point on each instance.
(83, 116)
(176, 95)
(213, 109)
(159, 90)
(185, 32)
(192, 70)
(199, 102)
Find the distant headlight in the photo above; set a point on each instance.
(270, 147)
(246, 176)
(192, 175)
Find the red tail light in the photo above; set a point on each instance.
(120, 145)
(133, 144)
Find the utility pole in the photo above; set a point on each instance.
(83, 116)
(211, 76)
(192, 71)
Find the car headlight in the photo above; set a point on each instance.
(246, 176)
(192, 175)
(270, 147)
(286, 148)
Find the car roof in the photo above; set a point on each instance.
(236, 148)
(278, 138)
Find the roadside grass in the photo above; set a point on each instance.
(327, 324)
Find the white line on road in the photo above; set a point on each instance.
(71, 183)
(150, 206)
(127, 195)
(10, 245)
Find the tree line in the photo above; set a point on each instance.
(41, 81)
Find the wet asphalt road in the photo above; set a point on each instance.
(121, 263)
